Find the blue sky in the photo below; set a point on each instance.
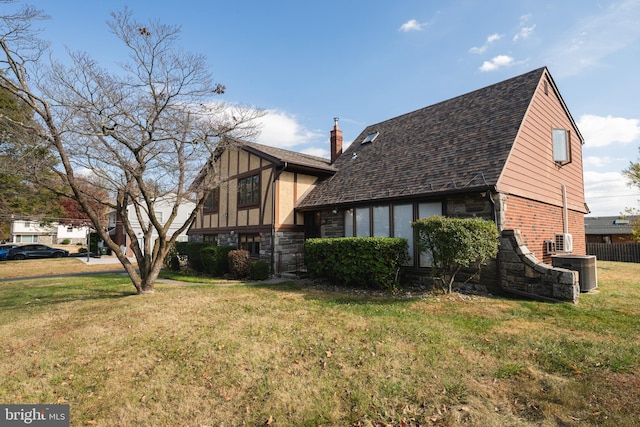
(365, 61)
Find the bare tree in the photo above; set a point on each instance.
(145, 133)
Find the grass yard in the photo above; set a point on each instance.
(39, 267)
(292, 355)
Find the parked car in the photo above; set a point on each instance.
(36, 251)
(4, 249)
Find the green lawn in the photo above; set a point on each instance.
(292, 355)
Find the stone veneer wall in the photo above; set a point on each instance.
(521, 273)
(289, 256)
(332, 224)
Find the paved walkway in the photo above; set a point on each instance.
(104, 259)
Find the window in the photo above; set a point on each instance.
(348, 223)
(362, 222)
(249, 191)
(378, 221)
(381, 221)
(250, 243)
(561, 146)
(402, 219)
(209, 238)
(211, 202)
(159, 216)
(425, 210)
(370, 138)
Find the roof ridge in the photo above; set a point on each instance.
(466, 94)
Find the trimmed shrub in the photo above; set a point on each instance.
(239, 263)
(182, 248)
(456, 244)
(171, 260)
(259, 270)
(174, 263)
(215, 260)
(65, 242)
(194, 255)
(357, 261)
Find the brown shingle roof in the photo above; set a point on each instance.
(292, 158)
(458, 144)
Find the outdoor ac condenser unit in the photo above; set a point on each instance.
(564, 243)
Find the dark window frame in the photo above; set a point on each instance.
(212, 202)
(249, 191)
(250, 242)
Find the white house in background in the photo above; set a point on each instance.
(163, 207)
(28, 231)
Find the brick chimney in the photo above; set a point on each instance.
(336, 141)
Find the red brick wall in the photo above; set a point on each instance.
(539, 222)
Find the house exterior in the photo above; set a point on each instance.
(510, 152)
(163, 208)
(609, 229)
(28, 231)
(253, 208)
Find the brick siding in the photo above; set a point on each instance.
(539, 222)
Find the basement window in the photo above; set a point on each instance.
(370, 138)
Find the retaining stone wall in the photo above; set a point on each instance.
(520, 272)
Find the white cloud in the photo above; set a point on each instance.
(525, 32)
(492, 38)
(497, 62)
(412, 25)
(319, 152)
(607, 193)
(279, 129)
(598, 161)
(602, 131)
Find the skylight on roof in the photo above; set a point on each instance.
(370, 138)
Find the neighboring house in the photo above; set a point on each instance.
(33, 231)
(609, 229)
(510, 152)
(163, 208)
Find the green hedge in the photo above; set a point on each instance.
(214, 260)
(357, 261)
(259, 270)
(194, 255)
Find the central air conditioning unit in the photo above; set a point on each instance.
(564, 242)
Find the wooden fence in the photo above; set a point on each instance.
(623, 252)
